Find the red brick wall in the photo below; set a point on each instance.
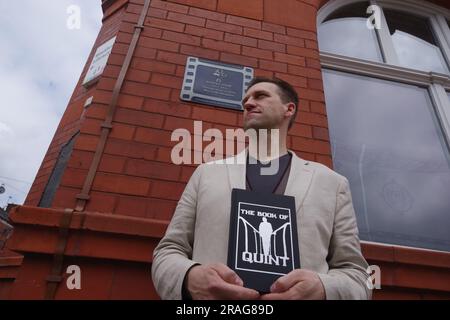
(101, 279)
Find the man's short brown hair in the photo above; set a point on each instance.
(286, 92)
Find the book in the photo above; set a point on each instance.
(263, 238)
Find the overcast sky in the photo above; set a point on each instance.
(41, 59)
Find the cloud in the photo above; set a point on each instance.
(41, 61)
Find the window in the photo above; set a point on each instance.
(389, 118)
(345, 33)
(403, 39)
(57, 173)
(414, 42)
(386, 141)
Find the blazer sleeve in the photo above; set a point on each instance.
(347, 275)
(172, 256)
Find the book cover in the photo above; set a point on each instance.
(263, 239)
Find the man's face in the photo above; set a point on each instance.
(263, 108)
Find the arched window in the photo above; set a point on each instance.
(386, 70)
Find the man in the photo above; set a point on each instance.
(190, 261)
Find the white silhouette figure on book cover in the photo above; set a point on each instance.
(260, 245)
(265, 231)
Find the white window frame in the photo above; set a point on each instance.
(438, 84)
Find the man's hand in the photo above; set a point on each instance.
(299, 284)
(217, 281)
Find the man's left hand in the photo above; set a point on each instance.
(299, 284)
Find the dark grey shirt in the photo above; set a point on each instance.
(268, 183)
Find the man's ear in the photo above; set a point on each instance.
(290, 111)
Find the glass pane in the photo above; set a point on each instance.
(387, 142)
(57, 173)
(414, 42)
(345, 32)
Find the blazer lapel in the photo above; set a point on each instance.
(300, 177)
(236, 170)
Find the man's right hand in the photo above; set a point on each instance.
(217, 281)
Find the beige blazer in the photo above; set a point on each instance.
(326, 224)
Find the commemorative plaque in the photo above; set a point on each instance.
(215, 83)
(263, 240)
